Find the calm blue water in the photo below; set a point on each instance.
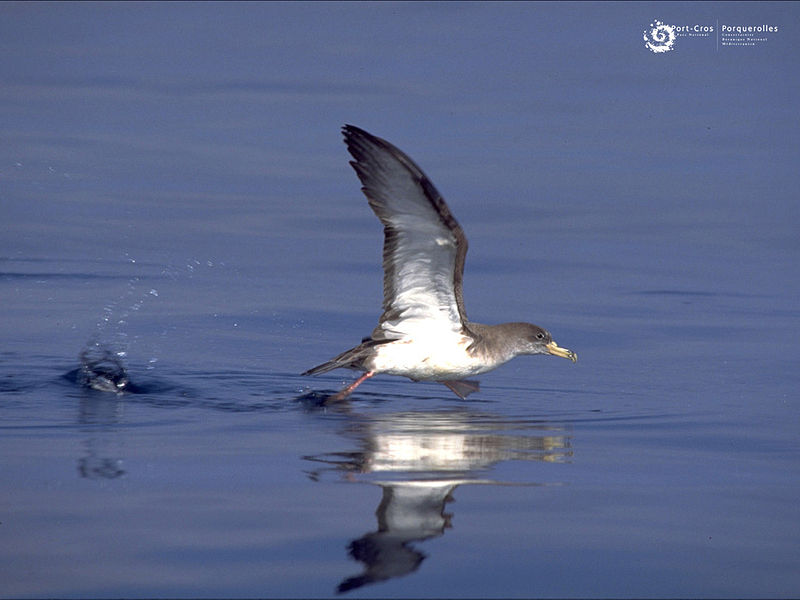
(173, 189)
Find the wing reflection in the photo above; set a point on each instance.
(419, 459)
(408, 512)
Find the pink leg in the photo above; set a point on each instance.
(349, 389)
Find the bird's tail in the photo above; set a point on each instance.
(323, 368)
(349, 359)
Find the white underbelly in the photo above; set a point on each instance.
(440, 358)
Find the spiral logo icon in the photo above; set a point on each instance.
(659, 37)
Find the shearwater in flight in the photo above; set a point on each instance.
(424, 333)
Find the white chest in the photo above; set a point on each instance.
(421, 358)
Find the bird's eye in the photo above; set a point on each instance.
(540, 336)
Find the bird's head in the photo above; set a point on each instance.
(532, 339)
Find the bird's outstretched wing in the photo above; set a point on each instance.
(424, 246)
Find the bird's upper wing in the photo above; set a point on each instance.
(424, 246)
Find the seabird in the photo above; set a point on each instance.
(424, 333)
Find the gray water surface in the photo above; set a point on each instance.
(174, 192)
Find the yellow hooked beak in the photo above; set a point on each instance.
(555, 350)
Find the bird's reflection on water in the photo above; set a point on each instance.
(419, 459)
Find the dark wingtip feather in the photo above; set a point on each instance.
(351, 131)
(358, 142)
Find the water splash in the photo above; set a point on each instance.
(102, 365)
(102, 369)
